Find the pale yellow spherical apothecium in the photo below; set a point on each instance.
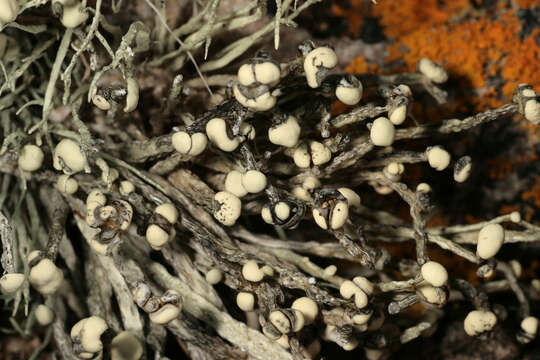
(30, 157)
(67, 184)
(382, 132)
(317, 62)
(11, 283)
(479, 321)
(285, 133)
(187, 144)
(490, 241)
(44, 315)
(68, 157)
(87, 332)
(228, 208)
(156, 236)
(44, 276)
(126, 346)
(8, 11)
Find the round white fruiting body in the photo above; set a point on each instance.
(353, 199)
(268, 270)
(434, 273)
(263, 102)
(214, 276)
(398, 115)
(126, 346)
(30, 158)
(490, 240)
(266, 214)
(101, 103)
(186, 144)
(67, 184)
(438, 158)
(168, 211)
(320, 154)
(166, 314)
(44, 315)
(110, 176)
(73, 16)
(349, 289)
(317, 62)
(307, 307)
(132, 98)
(382, 132)
(45, 276)
(157, 237)
(530, 325)
(423, 187)
(311, 183)
(89, 331)
(11, 283)
(126, 187)
(68, 153)
(348, 93)
(245, 301)
(254, 181)
(433, 295)
(8, 11)
(216, 130)
(432, 71)
(233, 184)
(283, 341)
(478, 321)
(229, 208)
(515, 217)
(265, 72)
(361, 319)
(282, 210)
(94, 200)
(251, 271)
(286, 133)
(532, 111)
(364, 284)
(301, 156)
(461, 174)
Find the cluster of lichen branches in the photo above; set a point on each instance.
(112, 238)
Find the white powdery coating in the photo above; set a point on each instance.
(438, 158)
(89, 330)
(432, 71)
(434, 273)
(214, 276)
(349, 95)
(307, 307)
(320, 154)
(478, 321)
(320, 57)
(30, 158)
(254, 181)
(74, 16)
(67, 184)
(126, 346)
(532, 111)
(382, 132)
(8, 11)
(44, 315)
(166, 314)
(233, 184)
(398, 115)
(490, 240)
(530, 325)
(10, 283)
(301, 156)
(217, 133)
(168, 211)
(251, 271)
(285, 134)
(70, 153)
(230, 208)
(340, 214)
(245, 301)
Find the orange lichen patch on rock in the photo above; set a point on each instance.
(361, 66)
(354, 16)
(403, 17)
